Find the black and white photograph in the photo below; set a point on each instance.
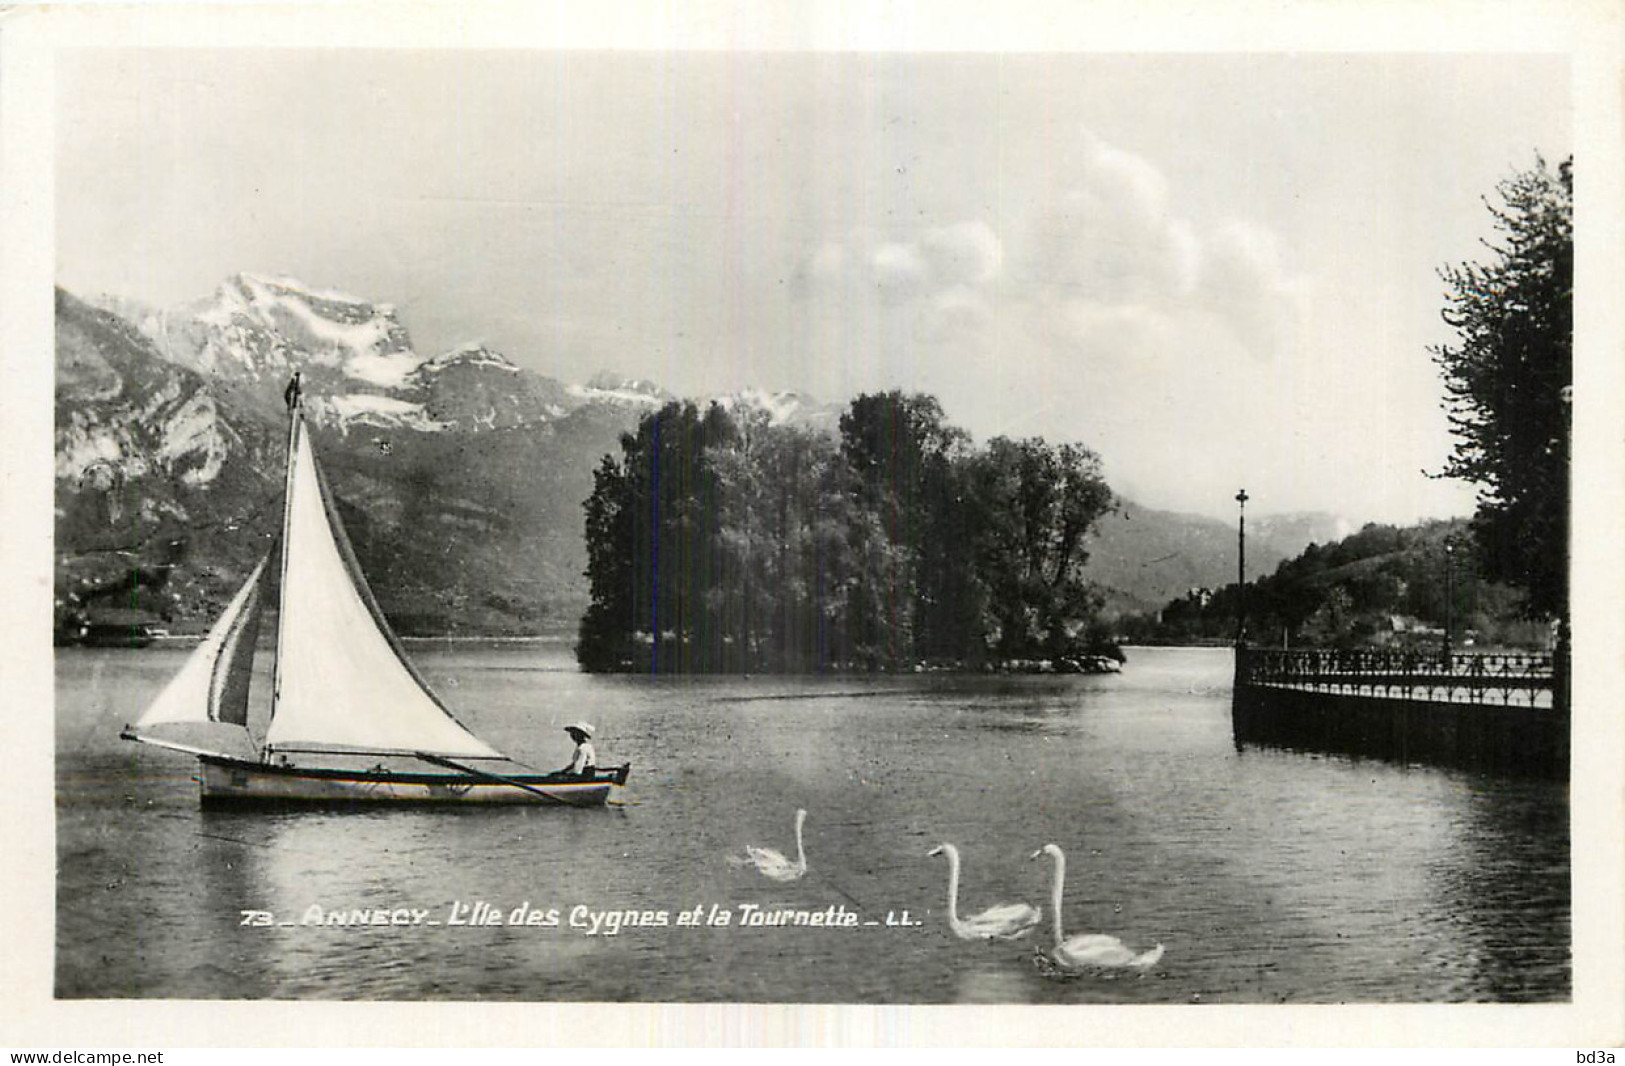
(805, 507)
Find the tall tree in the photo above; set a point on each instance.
(891, 443)
(1035, 504)
(607, 628)
(1508, 380)
(805, 507)
(662, 584)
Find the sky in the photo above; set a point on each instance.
(1217, 271)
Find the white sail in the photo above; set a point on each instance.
(341, 682)
(213, 684)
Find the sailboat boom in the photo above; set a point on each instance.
(129, 733)
(303, 749)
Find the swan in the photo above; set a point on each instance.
(774, 865)
(1003, 922)
(1088, 951)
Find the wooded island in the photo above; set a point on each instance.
(720, 542)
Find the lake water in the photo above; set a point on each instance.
(1269, 876)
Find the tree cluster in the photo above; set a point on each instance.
(1507, 385)
(719, 542)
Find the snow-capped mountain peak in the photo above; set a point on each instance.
(361, 370)
(609, 387)
(474, 353)
(781, 407)
(361, 340)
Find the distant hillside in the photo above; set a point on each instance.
(1384, 585)
(1151, 557)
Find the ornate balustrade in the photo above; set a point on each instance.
(1493, 679)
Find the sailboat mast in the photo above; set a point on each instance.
(295, 398)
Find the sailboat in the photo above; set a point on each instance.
(351, 719)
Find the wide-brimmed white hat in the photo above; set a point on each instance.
(580, 727)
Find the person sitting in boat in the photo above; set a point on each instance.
(583, 762)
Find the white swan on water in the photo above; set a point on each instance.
(1003, 922)
(1088, 951)
(774, 865)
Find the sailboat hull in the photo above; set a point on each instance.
(230, 782)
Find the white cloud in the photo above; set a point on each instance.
(1162, 341)
(905, 266)
(911, 298)
(899, 271)
(1108, 233)
(1125, 177)
(1109, 246)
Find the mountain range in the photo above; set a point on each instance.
(460, 476)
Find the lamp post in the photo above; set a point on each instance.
(1449, 597)
(1241, 570)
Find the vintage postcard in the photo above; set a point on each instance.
(909, 523)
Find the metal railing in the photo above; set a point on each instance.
(1492, 678)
